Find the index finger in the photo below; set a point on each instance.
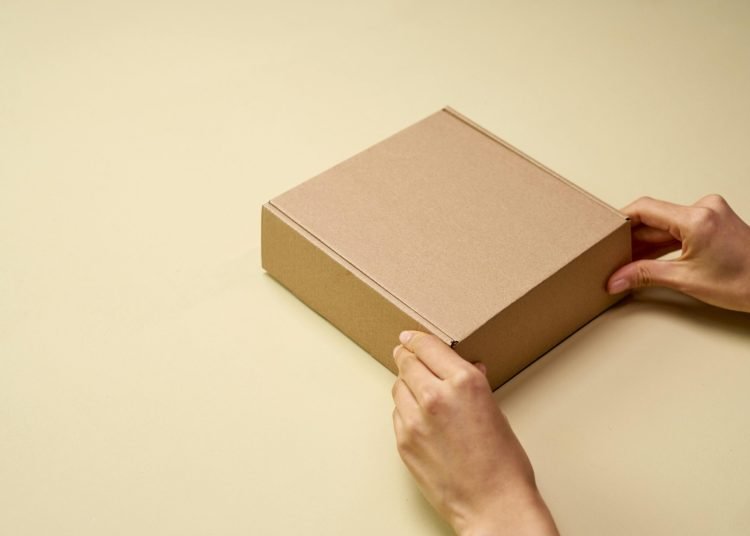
(658, 214)
(440, 358)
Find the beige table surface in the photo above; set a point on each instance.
(153, 380)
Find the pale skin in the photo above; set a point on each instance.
(451, 434)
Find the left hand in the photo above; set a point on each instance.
(459, 446)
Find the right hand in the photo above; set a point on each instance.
(715, 262)
(459, 446)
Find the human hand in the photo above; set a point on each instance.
(715, 262)
(459, 446)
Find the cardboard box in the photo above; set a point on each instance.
(445, 228)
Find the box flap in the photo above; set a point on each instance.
(451, 220)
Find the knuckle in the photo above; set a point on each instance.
(409, 425)
(407, 360)
(643, 275)
(703, 218)
(432, 400)
(404, 431)
(633, 207)
(715, 201)
(403, 442)
(642, 201)
(417, 338)
(403, 357)
(422, 340)
(412, 430)
(469, 378)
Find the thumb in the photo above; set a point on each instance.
(645, 273)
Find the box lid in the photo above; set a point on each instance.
(449, 220)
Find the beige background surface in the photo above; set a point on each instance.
(154, 381)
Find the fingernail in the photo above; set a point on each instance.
(395, 349)
(405, 336)
(617, 286)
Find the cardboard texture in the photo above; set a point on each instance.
(445, 228)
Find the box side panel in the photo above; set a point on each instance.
(328, 287)
(550, 312)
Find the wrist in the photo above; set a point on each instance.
(519, 515)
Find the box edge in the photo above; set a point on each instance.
(453, 112)
(610, 301)
(353, 269)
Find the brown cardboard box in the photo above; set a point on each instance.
(445, 228)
